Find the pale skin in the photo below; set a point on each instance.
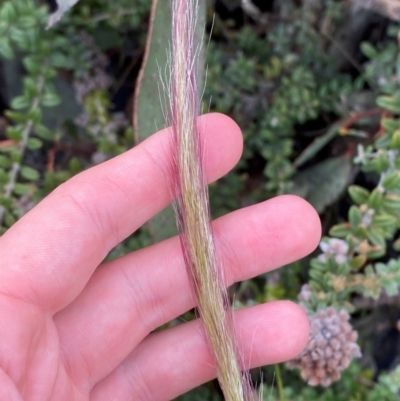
(74, 329)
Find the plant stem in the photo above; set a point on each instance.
(16, 166)
(279, 382)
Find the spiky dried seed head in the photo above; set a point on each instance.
(330, 349)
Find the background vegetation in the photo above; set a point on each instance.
(315, 87)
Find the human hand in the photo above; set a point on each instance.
(74, 329)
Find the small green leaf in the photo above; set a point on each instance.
(368, 50)
(9, 219)
(5, 49)
(376, 238)
(375, 200)
(8, 12)
(391, 287)
(20, 37)
(381, 268)
(318, 264)
(14, 133)
(396, 245)
(4, 161)
(384, 220)
(316, 275)
(27, 21)
(16, 116)
(376, 254)
(390, 124)
(32, 65)
(391, 202)
(355, 216)
(3, 176)
(15, 155)
(358, 262)
(30, 86)
(395, 141)
(360, 232)
(50, 99)
(5, 202)
(35, 115)
(43, 132)
(383, 142)
(29, 173)
(392, 181)
(358, 194)
(20, 102)
(340, 230)
(60, 60)
(20, 189)
(34, 143)
(382, 162)
(391, 103)
(75, 166)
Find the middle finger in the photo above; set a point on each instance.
(129, 297)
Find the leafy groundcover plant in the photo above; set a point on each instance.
(315, 88)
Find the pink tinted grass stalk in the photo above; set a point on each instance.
(192, 208)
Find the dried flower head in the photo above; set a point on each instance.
(305, 294)
(334, 247)
(330, 349)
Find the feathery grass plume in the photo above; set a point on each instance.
(192, 207)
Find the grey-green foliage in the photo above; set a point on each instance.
(21, 30)
(270, 83)
(355, 385)
(382, 68)
(121, 15)
(43, 54)
(346, 267)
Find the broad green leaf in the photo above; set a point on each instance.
(316, 145)
(323, 183)
(148, 112)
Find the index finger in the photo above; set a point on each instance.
(49, 255)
